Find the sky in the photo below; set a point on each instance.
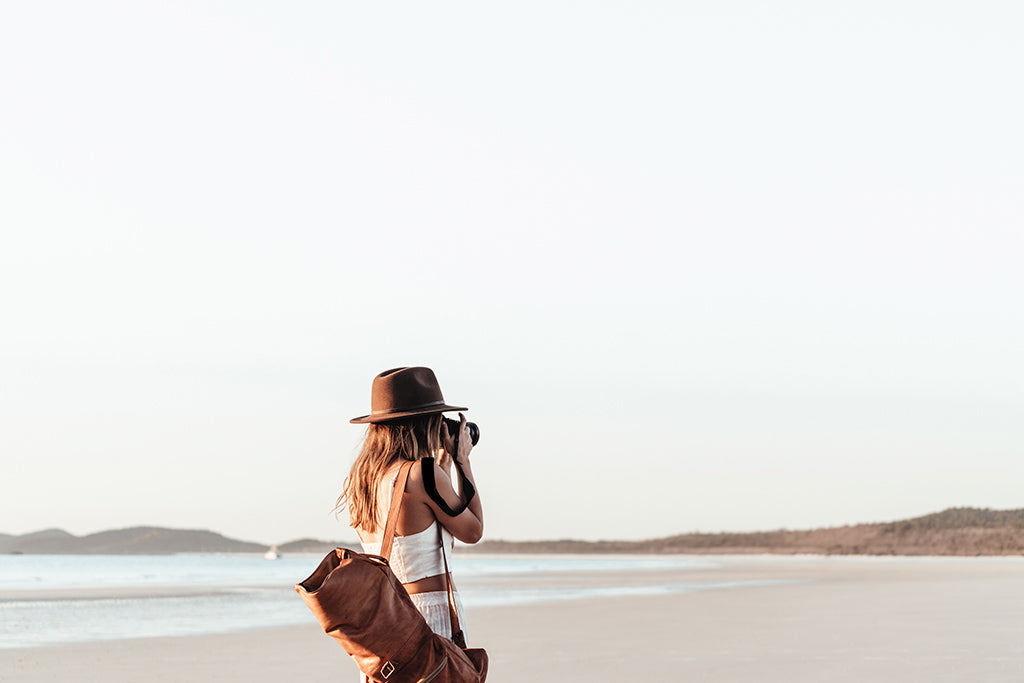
(693, 266)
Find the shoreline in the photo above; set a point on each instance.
(685, 569)
(833, 618)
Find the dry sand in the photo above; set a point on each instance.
(835, 619)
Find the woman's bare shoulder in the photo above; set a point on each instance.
(417, 479)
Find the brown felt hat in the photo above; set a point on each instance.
(404, 392)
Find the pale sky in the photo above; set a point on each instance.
(693, 266)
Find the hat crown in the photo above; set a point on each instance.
(402, 390)
(401, 393)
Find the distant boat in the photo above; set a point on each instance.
(272, 554)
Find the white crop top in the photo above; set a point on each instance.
(416, 556)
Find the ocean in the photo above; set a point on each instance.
(53, 599)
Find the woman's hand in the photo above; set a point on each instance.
(465, 442)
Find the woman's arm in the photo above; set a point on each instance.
(468, 524)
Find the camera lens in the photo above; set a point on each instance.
(474, 432)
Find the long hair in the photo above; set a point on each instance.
(385, 442)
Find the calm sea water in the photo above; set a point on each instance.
(237, 592)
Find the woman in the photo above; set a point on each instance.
(406, 425)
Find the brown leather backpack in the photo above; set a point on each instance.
(360, 602)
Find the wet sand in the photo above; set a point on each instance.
(813, 619)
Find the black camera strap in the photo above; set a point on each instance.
(466, 487)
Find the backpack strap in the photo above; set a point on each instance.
(397, 497)
(458, 637)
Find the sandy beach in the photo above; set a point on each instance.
(808, 619)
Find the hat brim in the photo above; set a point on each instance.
(392, 417)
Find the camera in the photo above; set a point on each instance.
(453, 429)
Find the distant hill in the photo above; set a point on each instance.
(956, 531)
(133, 541)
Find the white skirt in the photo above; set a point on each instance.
(434, 608)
